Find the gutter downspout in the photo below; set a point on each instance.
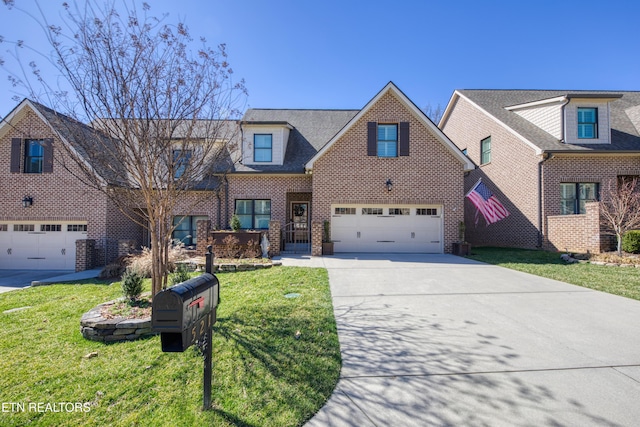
(545, 157)
(226, 201)
(564, 131)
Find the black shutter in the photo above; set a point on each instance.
(16, 146)
(404, 139)
(47, 161)
(372, 139)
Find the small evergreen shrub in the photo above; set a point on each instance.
(132, 284)
(235, 223)
(631, 242)
(180, 275)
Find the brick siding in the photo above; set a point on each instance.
(430, 175)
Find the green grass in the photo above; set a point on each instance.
(262, 374)
(614, 280)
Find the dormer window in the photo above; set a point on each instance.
(587, 123)
(262, 147)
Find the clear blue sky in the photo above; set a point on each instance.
(340, 53)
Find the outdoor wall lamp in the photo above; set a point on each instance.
(27, 201)
(389, 184)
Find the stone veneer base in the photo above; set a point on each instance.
(94, 327)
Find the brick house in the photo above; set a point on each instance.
(547, 156)
(44, 207)
(384, 177)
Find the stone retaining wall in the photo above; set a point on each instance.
(94, 327)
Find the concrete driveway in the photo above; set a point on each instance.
(438, 340)
(17, 279)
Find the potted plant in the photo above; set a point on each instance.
(461, 248)
(327, 244)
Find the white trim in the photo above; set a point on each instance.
(447, 111)
(419, 114)
(537, 103)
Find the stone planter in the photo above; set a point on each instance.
(245, 239)
(94, 327)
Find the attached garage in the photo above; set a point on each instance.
(40, 245)
(387, 228)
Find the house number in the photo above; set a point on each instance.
(63, 251)
(9, 251)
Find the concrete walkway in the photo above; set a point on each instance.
(439, 340)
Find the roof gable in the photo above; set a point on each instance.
(419, 114)
(503, 106)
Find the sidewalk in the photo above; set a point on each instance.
(70, 277)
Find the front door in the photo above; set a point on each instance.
(300, 216)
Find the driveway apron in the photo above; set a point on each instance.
(442, 340)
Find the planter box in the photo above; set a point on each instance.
(244, 240)
(461, 249)
(327, 248)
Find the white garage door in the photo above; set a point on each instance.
(40, 245)
(387, 228)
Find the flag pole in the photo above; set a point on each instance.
(473, 188)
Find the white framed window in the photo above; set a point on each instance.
(344, 211)
(371, 211)
(485, 151)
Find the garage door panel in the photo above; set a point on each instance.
(37, 250)
(408, 233)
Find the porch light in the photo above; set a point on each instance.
(27, 201)
(389, 184)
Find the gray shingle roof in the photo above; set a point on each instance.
(312, 129)
(625, 135)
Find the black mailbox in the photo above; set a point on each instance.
(184, 313)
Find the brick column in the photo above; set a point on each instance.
(316, 238)
(202, 233)
(85, 251)
(274, 237)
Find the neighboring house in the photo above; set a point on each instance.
(45, 208)
(384, 177)
(547, 156)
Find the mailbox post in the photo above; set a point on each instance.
(184, 315)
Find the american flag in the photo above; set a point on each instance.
(488, 205)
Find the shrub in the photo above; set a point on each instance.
(132, 284)
(235, 223)
(631, 242)
(142, 262)
(111, 271)
(180, 275)
(230, 247)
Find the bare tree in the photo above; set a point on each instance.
(159, 113)
(434, 113)
(620, 208)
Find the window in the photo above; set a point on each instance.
(587, 123)
(3, 227)
(185, 229)
(181, 160)
(77, 227)
(573, 197)
(464, 151)
(427, 211)
(399, 211)
(33, 156)
(50, 227)
(23, 227)
(371, 211)
(254, 214)
(345, 211)
(262, 147)
(387, 140)
(485, 151)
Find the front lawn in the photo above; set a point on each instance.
(275, 360)
(623, 281)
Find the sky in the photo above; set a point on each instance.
(337, 54)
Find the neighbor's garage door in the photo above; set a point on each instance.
(386, 228)
(40, 245)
